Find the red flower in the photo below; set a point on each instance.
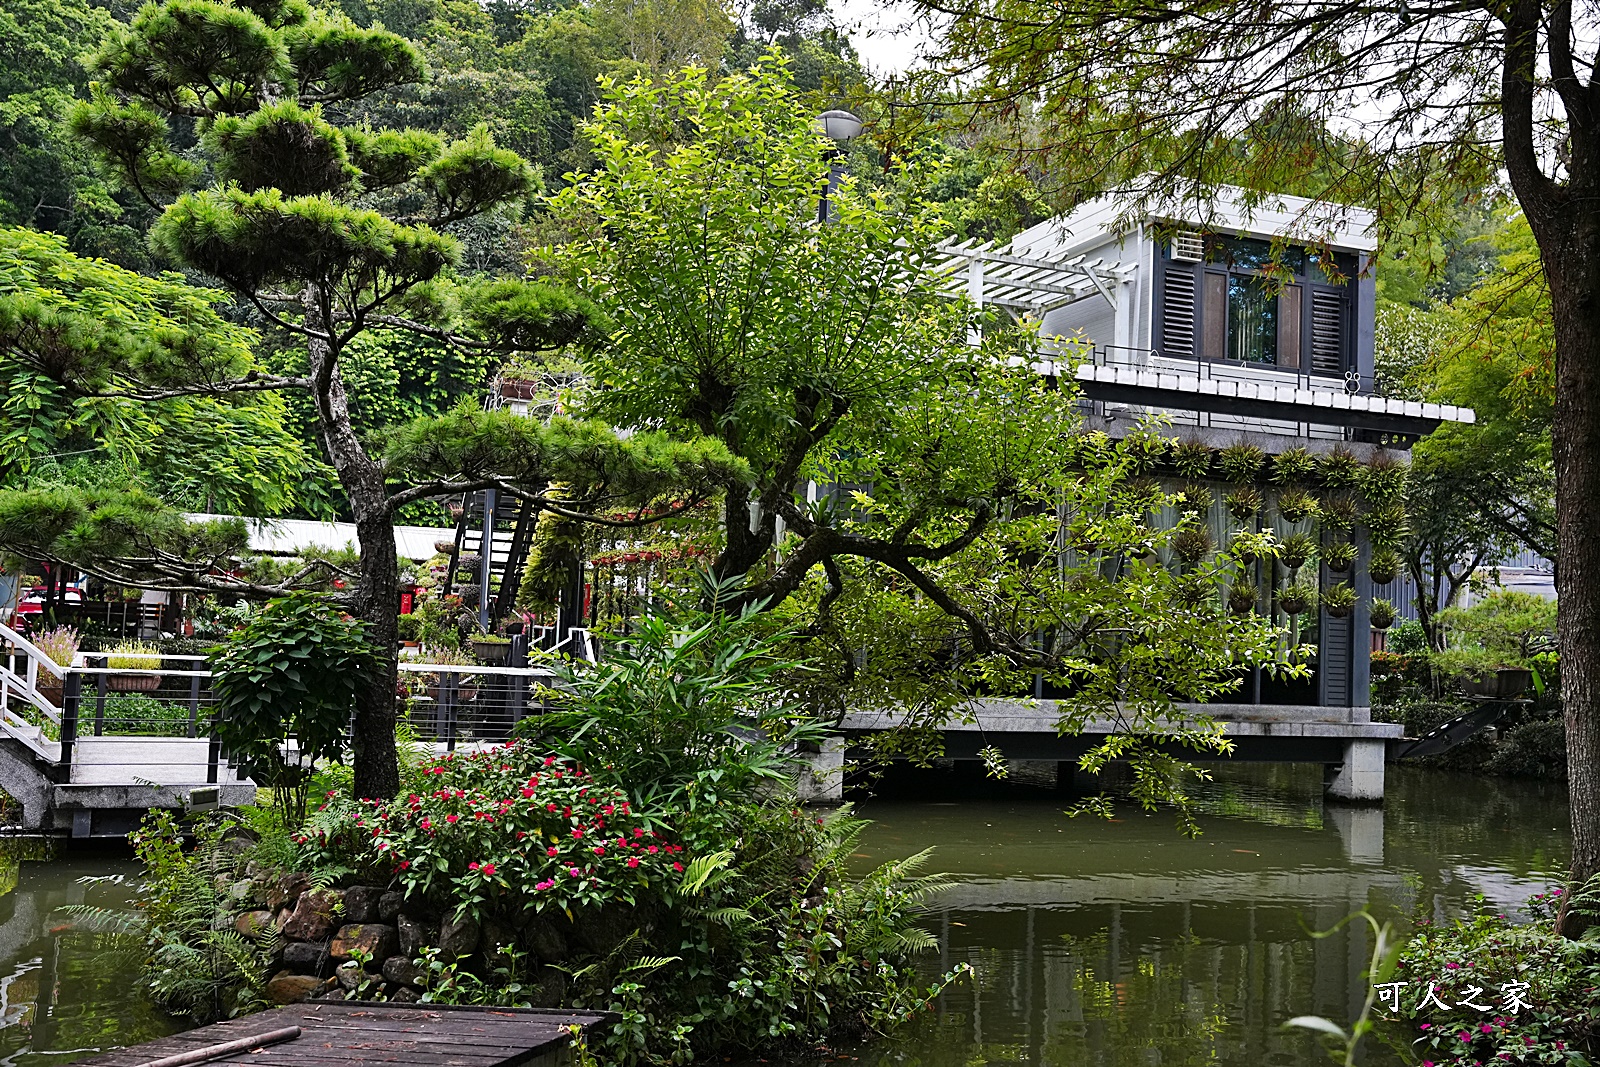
(633, 861)
(451, 818)
(487, 869)
(677, 866)
(551, 851)
(472, 866)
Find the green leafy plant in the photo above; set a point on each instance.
(1144, 451)
(1388, 525)
(1298, 550)
(1241, 463)
(1192, 543)
(1297, 598)
(1191, 459)
(1340, 469)
(1382, 612)
(291, 675)
(1339, 512)
(684, 712)
(1297, 505)
(1194, 499)
(1384, 479)
(1339, 556)
(1293, 467)
(1242, 597)
(1339, 600)
(1383, 566)
(1247, 546)
(1343, 1046)
(1243, 502)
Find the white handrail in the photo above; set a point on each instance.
(8, 634)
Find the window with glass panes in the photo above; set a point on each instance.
(1249, 303)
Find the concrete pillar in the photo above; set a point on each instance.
(821, 779)
(1359, 779)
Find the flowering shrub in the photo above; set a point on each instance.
(504, 829)
(1556, 1016)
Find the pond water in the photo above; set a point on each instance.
(1093, 943)
(1123, 943)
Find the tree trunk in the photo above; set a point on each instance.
(1571, 257)
(377, 600)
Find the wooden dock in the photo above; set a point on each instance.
(334, 1034)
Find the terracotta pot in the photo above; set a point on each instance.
(55, 693)
(518, 389)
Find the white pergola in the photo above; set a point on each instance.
(989, 274)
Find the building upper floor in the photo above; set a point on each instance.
(1261, 316)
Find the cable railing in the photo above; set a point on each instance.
(95, 723)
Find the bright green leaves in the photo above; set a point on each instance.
(252, 239)
(91, 528)
(472, 443)
(132, 139)
(472, 176)
(88, 323)
(390, 157)
(193, 57)
(283, 147)
(529, 316)
(290, 676)
(334, 59)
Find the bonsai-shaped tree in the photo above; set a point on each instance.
(325, 233)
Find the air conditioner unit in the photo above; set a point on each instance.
(1188, 247)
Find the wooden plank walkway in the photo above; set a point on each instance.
(358, 1034)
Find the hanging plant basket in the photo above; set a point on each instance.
(1339, 601)
(1383, 567)
(1242, 598)
(1382, 614)
(491, 653)
(1296, 599)
(1339, 556)
(133, 683)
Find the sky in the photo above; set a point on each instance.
(886, 34)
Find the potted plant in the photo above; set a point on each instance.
(1247, 547)
(1339, 555)
(1340, 511)
(61, 646)
(1192, 543)
(492, 650)
(1340, 469)
(1297, 505)
(134, 656)
(1339, 600)
(1296, 598)
(1382, 613)
(470, 563)
(1387, 524)
(1298, 548)
(1241, 463)
(1243, 502)
(444, 548)
(466, 687)
(1191, 459)
(1242, 597)
(1194, 498)
(1383, 566)
(1294, 466)
(1384, 479)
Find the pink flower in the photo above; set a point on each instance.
(549, 761)
(677, 866)
(633, 861)
(1453, 966)
(472, 866)
(404, 864)
(451, 818)
(550, 851)
(600, 850)
(577, 833)
(652, 849)
(573, 871)
(487, 869)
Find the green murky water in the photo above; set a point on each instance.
(1093, 943)
(1124, 944)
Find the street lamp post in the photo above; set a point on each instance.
(839, 127)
